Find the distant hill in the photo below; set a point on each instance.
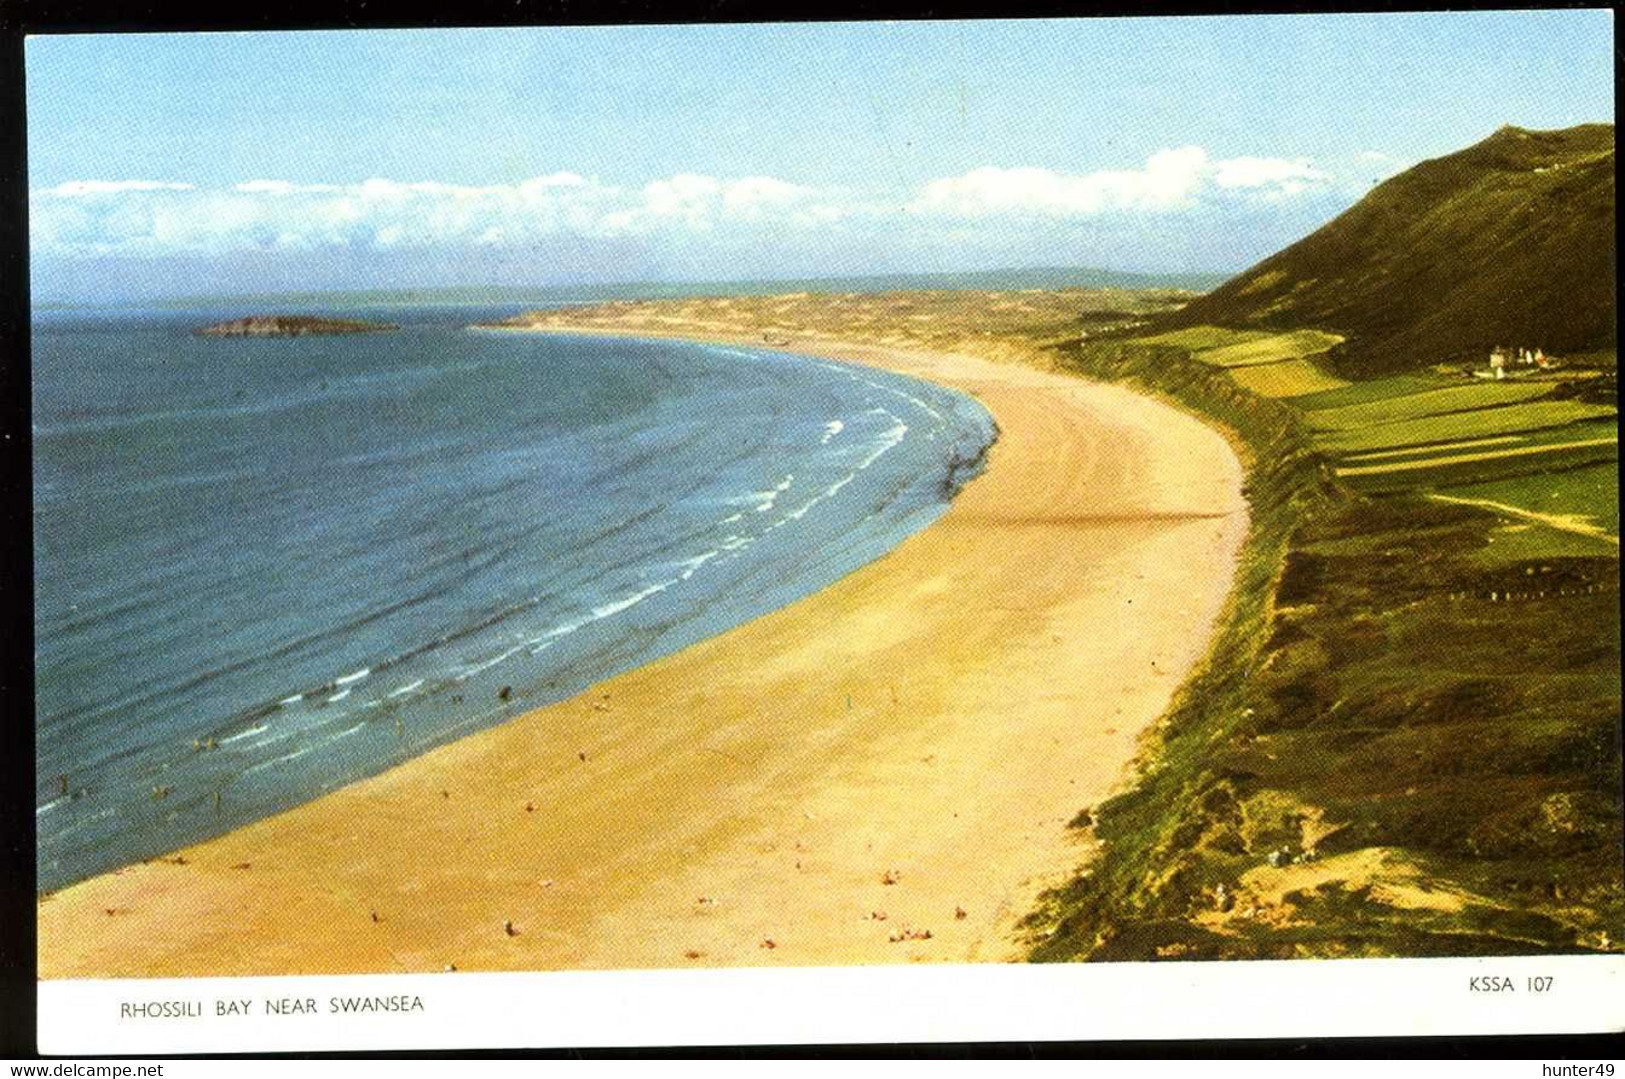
(1509, 242)
(980, 280)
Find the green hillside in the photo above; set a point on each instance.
(1509, 242)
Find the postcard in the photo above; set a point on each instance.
(807, 532)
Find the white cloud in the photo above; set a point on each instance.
(686, 196)
(1171, 179)
(697, 203)
(72, 189)
(1255, 172)
(269, 213)
(151, 217)
(754, 193)
(284, 187)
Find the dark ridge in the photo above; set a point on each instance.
(1508, 242)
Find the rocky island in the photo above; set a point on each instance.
(291, 326)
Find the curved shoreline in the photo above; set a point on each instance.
(351, 714)
(909, 741)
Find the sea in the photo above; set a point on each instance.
(265, 568)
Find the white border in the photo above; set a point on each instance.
(767, 1006)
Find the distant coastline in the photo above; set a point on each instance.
(1019, 278)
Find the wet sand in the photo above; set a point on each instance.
(880, 772)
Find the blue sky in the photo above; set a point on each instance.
(241, 162)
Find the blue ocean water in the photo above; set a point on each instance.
(268, 567)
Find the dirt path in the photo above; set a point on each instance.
(1578, 525)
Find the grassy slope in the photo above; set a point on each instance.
(1286, 378)
(1384, 755)
(1289, 364)
(1293, 344)
(1507, 242)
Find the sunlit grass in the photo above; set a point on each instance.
(1289, 378)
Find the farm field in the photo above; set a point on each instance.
(1541, 450)
(1268, 364)
(1273, 348)
(1485, 422)
(1584, 501)
(1287, 378)
(1548, 468)
(1583, 431)
(1377, 389)
(1524, 449)
(1590, 492)
(1528, 447)
(1195, 339)
(1439, 401)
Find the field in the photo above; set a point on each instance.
(1274, 348)
(1537, 448)
(1286, 364)
(1432, 401)
(1579, 508)
(1486, 422)
(1195, 339)
(1588, 493)
(1287, 378)
(1541, 454)
(1380, 389)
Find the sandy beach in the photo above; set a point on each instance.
(881, 772)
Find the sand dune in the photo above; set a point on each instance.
(908, 743)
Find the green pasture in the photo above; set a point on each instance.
(1486, 447)
(1589, 494)
(1440, 475)
(1432, 402)
(1260, 361)
(1603, 446)
(1194, 339)
(1377, 389)
(1295, 344)
(1457, 426)
(1579, 498)
(1288, 378)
